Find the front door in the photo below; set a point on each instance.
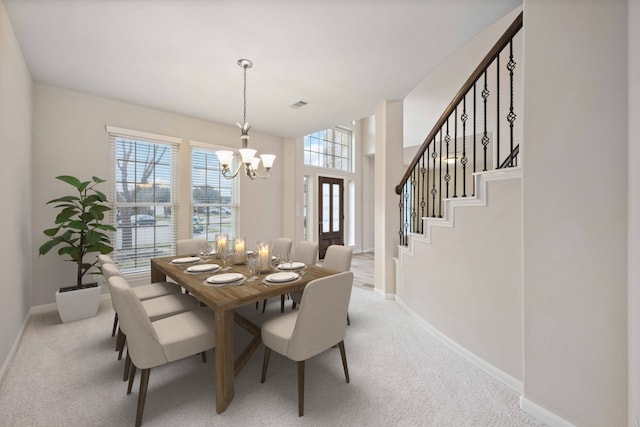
(331, 213)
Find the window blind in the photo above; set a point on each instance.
(214, 199)
(144, 198)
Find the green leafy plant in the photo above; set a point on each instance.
(79, 228)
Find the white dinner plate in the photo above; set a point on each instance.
(291, 265)
(200, 268)
(224, 278)
(185, 260)
(281, 277)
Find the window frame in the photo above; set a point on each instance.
(154, 231)
(334, 149)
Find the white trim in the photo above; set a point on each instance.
(543, 414)
(141, 134)
(14, 348)
(500, 375)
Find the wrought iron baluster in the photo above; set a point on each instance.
(422, 187)
(485, 137)
(463, 159)
(455, 153)
(447, 177)
(473, 181)
(497, 140)
(511, 117)
(434, 191)
(440, 179)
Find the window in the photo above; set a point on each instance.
(330, 148)
(144, 198)
(214, 199)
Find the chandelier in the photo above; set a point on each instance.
(248, 155)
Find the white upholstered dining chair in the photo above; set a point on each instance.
(318, 325)
(306, 252)
(155, 308)
(191, 246)
(144, 292)
(151, 344)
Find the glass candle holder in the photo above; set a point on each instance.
(221, 244)
(240, 251)
(263, 250)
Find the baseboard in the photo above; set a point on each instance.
(37, 309)
(543, 414)
(383, 294)
(14, 348)
(500, 375)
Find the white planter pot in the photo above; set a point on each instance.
(78, 304)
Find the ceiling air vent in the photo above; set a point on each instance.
(298, 104)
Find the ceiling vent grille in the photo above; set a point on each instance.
(298, 104)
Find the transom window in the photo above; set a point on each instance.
(329, 148)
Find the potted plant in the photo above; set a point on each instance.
(79, 231)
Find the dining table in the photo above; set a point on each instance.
(224, 300)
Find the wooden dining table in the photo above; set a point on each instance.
(223, 301)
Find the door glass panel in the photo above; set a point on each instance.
(336, 207)
(326, 207)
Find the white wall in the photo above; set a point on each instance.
(424, 105)
(15, 175)
(634, 212)
(575, 222)
(69, 138)
(467, 283)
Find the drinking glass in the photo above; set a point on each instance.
(253, 266)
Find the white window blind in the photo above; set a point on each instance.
(214, 199)
(144, 197)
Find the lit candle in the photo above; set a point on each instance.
(222, 244)
(238, 256)
(263, 256)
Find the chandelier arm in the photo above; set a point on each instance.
(268, 175)
(226, 172)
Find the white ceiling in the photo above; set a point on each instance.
(343, 57)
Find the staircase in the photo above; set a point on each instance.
(459, 265)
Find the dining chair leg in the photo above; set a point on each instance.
(257, 305)
(301, 388)
(204, 356)
(293, 305)
(348, 320)
(142, 395)
(265, 364)
(119, 340)
(122, 344)
(127, 367)
(115, 325)
(264, 304)
(343, 355)
(282, 303)
(132, 377)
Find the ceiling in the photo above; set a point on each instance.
(342, 57)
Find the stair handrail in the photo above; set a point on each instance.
(466, 87)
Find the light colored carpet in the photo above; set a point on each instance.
(68, 375)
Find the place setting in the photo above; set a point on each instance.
(185, 260)
(281, 278)
(202, 268)
(224, 280)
